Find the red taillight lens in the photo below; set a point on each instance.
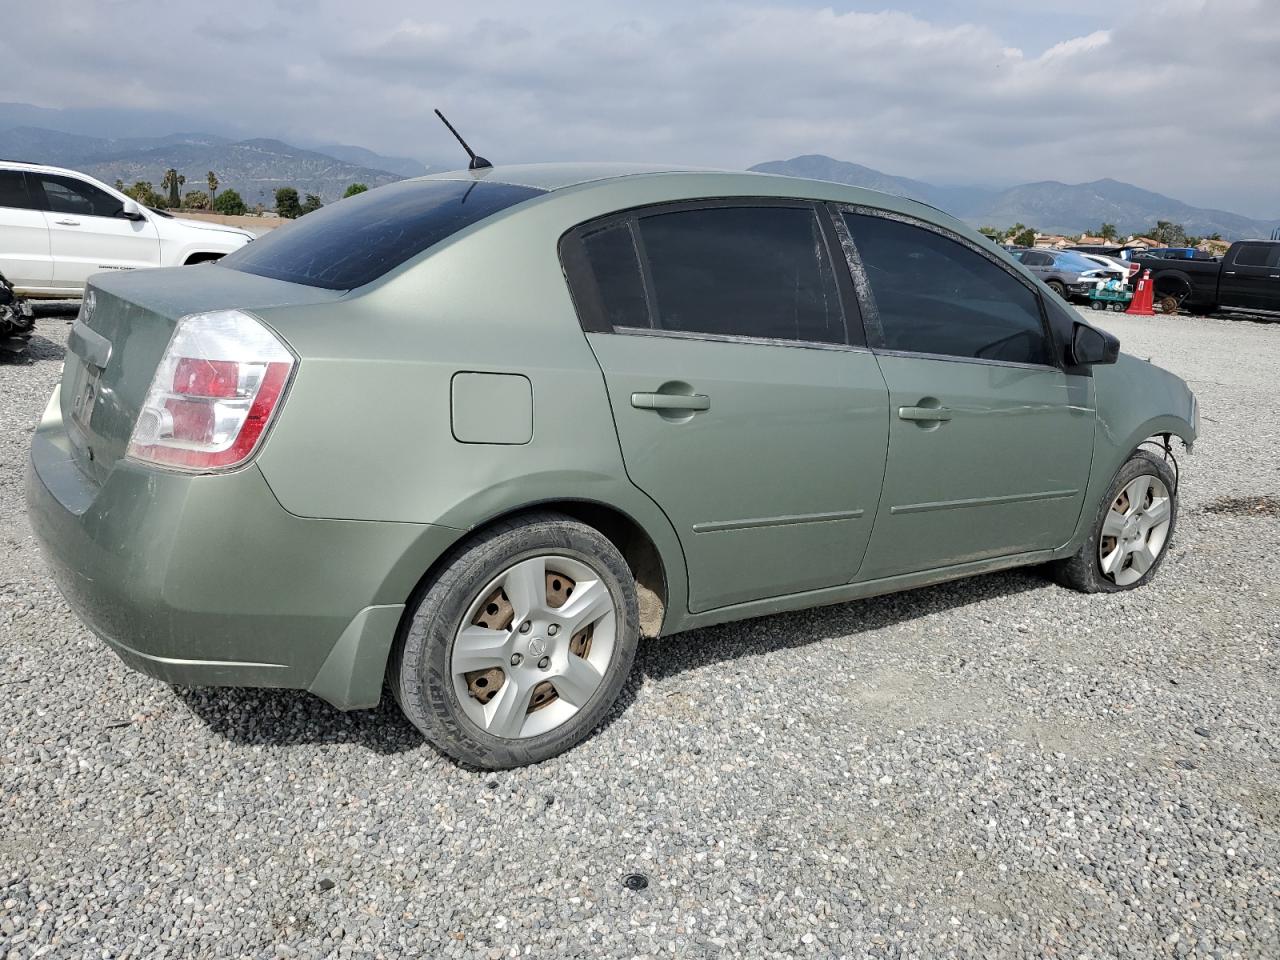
(214, 393)
(206, 378)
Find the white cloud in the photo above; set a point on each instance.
(1181, 97)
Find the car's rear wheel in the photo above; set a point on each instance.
(520, 645)
(1131, 533)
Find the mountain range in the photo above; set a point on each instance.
(253, 167)
(132, 145)
(1049, 206)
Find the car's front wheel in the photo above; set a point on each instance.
(521, 643)
(1131, 533)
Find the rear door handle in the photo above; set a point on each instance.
(670, 401)
(67, 223)
(924, 414)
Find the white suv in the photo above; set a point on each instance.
(58, 227)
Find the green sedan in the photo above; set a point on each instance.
(470, 436)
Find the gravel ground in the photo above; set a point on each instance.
(991, 768)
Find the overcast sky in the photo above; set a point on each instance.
(1179, 96)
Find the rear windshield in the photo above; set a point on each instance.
(357, 240)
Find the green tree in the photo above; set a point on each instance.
(287, 204)
(212, 180)
(1108, 231)
(119, 184)
(172, 182)
(145, 194)
(991, 232)
(311, 204)
(1025, 237)
(195, 200)
(228, 202)
(1170, 234)
(354, 189)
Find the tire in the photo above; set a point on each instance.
(1058, 287)
(1097, 305)
(502, 714)
(1084, 571)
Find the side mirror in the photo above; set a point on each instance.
(131, 211)
(1090, 346)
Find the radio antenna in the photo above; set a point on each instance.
(477, 162)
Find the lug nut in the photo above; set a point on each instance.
(516, 658)
(544, 662)
(553, 630)
(526, 627)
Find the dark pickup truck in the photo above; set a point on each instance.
(1246, 279)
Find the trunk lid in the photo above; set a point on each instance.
(115, 347)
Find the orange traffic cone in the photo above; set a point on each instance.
(1143, 297)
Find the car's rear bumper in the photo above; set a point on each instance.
(207, 580)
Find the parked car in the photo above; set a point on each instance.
(1247, 279)
(1127, 267)
(473, 434)
(57, 227)
(1112, 250)
(1173, 253)
(1068, 274)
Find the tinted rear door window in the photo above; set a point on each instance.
(13, 190)
(935, 295)
(742, 271)
(348, 244)
(615, 266)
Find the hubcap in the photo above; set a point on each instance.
(1135, 530)
(534, 646)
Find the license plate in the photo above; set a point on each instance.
(85, 397)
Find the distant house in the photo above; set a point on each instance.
(1094, 241)
(1052, 241)
(1215, 248)
(1146, 242)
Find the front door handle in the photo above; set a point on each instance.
(670, 401)
(67, 223)
(924, 414)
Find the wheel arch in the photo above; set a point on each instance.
(1108, 458)
(659, 572)
(202, 256)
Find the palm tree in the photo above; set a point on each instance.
(172, 181)
(213, 186)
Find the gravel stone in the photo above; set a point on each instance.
(985, 769)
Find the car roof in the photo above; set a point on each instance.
(710, 182)
(38, 167)
(558, 176)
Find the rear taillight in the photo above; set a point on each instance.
(219, 383)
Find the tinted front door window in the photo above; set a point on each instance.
(742, 271)
(937, 296)
(1253, 255)
(68, 195)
